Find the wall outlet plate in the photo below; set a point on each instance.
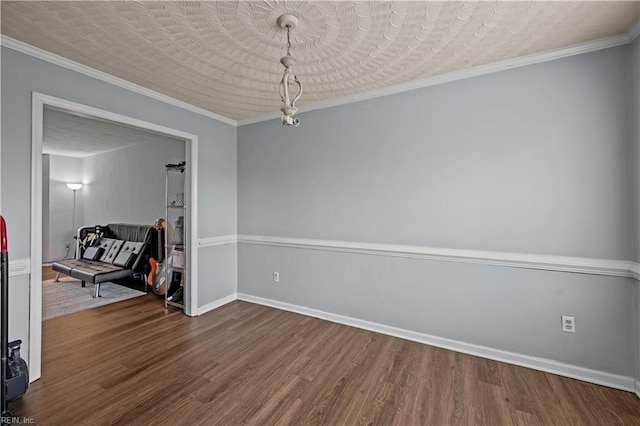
(276, 277)
(568, 324)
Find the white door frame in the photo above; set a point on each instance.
(39, 101)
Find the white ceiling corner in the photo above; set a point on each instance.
(223, 56)
(72, 135)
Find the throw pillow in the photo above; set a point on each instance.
(106, 244)
(93, 253)
(128, 254)
(113, 251)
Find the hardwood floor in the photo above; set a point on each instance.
(133, 363)
(48, 273)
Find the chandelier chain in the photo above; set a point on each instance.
(290, 87)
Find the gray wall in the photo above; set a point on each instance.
(22, 74)
(128, 185)
(530, 160)
(634, 138)
(633, 79)
(61, 171)
(121, 186)
(511, 309)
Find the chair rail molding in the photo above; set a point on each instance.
(635, 270)
(217, 241)
(582, 265)
(19, 267)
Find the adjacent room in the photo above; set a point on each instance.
(97, 173)
(408, 213)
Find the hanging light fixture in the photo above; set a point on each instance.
(289, 79)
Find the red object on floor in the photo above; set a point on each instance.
(3, 235)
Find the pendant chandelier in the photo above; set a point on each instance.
(288, 92)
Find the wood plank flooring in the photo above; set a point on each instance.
(48, 273)
(135, 363)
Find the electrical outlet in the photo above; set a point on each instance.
(67, 246)
(568, 324)
(276, 277)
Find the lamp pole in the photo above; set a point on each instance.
(73, 218)
(74, 187)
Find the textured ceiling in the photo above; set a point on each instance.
(76, 136)
(224, 56)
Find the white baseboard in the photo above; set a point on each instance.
(217, 303)
(542, 364)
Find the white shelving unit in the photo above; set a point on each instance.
(175, 237)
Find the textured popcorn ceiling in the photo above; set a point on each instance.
(224, 56)
(77, 136)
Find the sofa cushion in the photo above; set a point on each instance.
(91, 270)
(96, 272)
(71, 264)
(63, 266)
(106, 244)
(93, 253)
(113, 252)
(128, 254)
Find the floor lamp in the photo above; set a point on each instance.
(74, 187)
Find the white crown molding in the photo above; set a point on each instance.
(108, 78)
(633, 31)
(217, 303)
(535, 58)
(542, 364)
(616, 268)
(19, 267)
(218, 241)
(576, 49)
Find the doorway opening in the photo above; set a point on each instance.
(44, 104)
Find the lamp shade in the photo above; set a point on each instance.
(74, 186)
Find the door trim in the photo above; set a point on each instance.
(39, 101)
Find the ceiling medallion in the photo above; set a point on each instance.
(289, 79)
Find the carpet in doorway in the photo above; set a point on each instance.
(68, 296)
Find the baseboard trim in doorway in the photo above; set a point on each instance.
(543, 364)
(217, 303)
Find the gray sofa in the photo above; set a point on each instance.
(122, 252)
